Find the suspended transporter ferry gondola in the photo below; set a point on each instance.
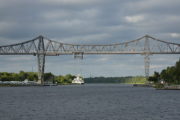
(78, 80)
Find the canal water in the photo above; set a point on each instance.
(89, 102)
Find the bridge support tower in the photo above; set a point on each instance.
(41, 60)
(147, 56)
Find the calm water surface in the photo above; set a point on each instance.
(89, 102)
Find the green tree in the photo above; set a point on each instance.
(35, 77)
(73, 76)
(170, 73)
(68, 76)
(59, 79)
(30, 77)
(16, 78)
(164, 75)
(177, 71)
(22, 75)
(4, 78)
(156, 76)
(153, 79)
(62, 80)
(48, 76)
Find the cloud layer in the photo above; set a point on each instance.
(89, 22)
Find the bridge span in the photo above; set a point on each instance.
(41, 47)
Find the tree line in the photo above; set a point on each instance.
(33, 76)
(122, 80)
(21, 76)
(64, 79)
(170, 75)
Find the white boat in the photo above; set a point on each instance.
(78, 80)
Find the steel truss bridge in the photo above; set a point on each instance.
(41, 47)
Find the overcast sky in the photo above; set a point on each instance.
(89, 22)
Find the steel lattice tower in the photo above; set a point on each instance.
(41, 60)
(147, 56)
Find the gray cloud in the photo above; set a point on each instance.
(89, 22)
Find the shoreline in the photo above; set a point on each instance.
(19, 85)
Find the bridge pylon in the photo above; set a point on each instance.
(147, 56)
(41, 60)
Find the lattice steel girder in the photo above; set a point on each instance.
(90, 53)
(41, 60)
(132, 47)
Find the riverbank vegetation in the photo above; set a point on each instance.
(170, 75)
(120, 80)
(21, 76)
(49, 77)
(33, 76)
(64, 79)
